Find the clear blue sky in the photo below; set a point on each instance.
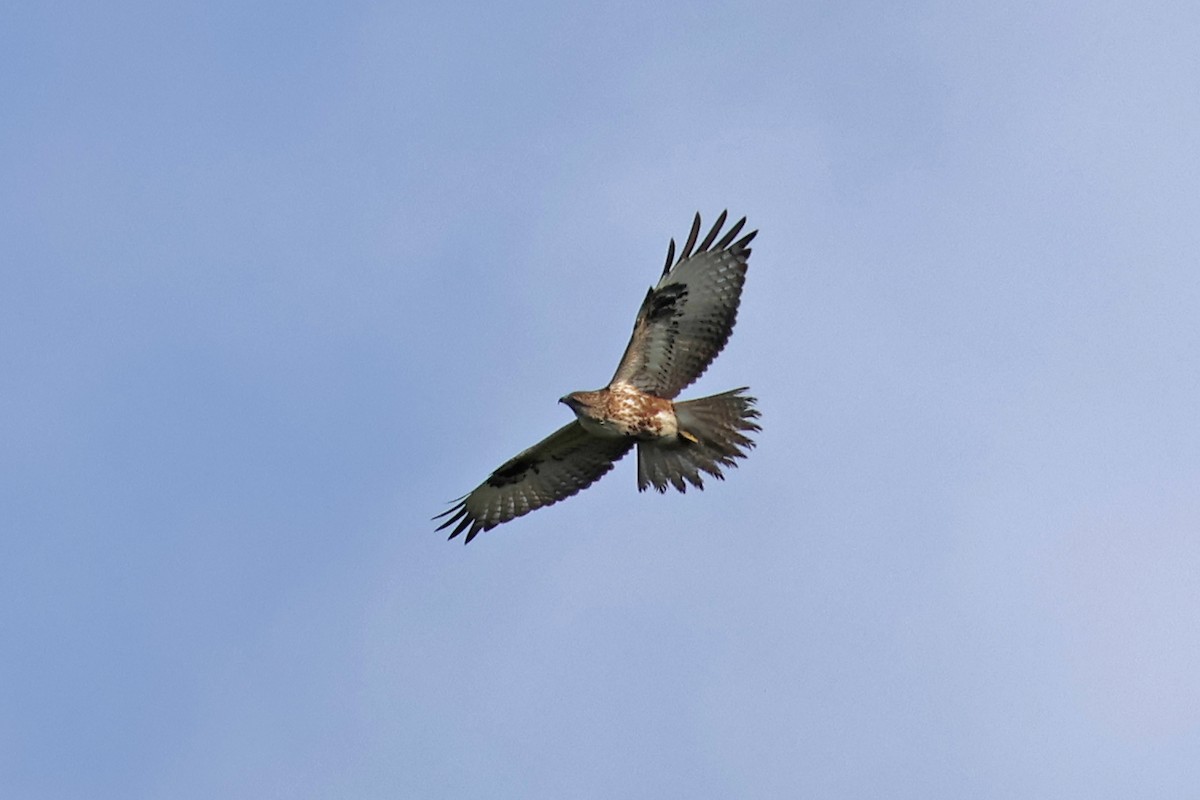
(281, 279)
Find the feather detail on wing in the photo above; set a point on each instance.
(566, 461)
(686, 320)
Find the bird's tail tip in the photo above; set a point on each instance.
(714, 433)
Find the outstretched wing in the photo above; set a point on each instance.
(687, 318)
(555, 468)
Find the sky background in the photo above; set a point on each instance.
(282, 279)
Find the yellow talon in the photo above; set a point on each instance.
(689, 437)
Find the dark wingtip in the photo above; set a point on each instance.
(458, 503)
(712, 234)
(690, 246)
(461, 518)
(691, 240)
(670, 256)
(731, 234)
(459, 512)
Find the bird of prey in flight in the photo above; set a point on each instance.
(683, 324)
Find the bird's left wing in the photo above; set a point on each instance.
(686, 319)
(566, 461)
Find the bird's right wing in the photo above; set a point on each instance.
(686, 319)
(566, 461)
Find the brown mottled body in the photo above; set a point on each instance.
(622, 410)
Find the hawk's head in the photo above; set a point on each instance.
(589, 407)
(576, 401)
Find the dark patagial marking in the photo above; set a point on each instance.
(512, 472)
(666, 301)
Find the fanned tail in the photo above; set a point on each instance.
(712, 434)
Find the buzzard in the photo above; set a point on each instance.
(683, 324)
